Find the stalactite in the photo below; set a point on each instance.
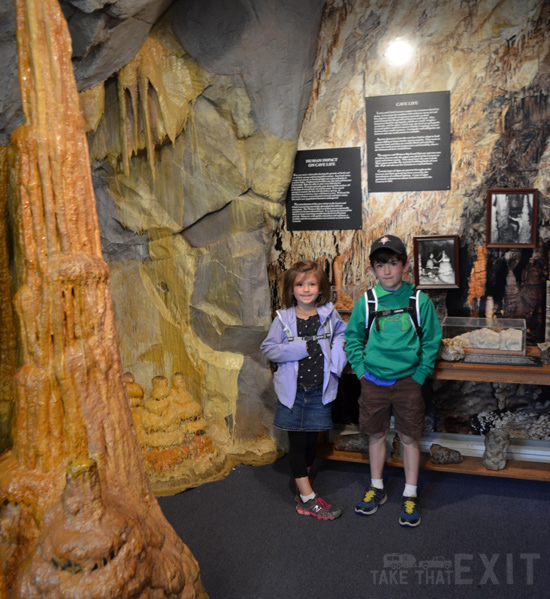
(155, 94)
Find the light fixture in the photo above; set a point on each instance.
(399, 52)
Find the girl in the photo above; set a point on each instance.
(306, 341)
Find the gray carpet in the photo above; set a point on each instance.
(491, 535)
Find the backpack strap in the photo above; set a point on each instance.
(326, 335)
(414, 314)
(371, 309)
(286, 328)
(372, 313)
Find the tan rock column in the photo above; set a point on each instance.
(78, 515)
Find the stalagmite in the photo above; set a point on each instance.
(77, 512)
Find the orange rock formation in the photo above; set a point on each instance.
(77, 511)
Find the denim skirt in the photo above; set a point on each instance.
(308, 412)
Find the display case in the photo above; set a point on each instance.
(506, 336)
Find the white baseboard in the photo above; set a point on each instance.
(527, 450)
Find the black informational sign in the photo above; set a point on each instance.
(325, 191)
(409, 142)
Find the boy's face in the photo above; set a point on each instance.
(390, 273)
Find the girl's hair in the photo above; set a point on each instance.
(301, 268)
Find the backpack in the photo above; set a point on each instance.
(326, 335)
(413, 310)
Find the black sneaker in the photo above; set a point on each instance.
(370, 502)
(318, 508)
(410, 512)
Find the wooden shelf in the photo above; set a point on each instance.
(470, 465)
(494, 373)
(461, 371)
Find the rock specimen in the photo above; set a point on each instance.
(497, 441)
(352, 442)
(444, 455)
(486, 338)
(397, 448)
(528, 422)
(544, 352)
(451, 350)
(78, 517)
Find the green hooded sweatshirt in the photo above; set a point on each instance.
(395, 351)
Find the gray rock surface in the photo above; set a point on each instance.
(117, 242)
(11, 114)
(108, 38)
(259, 41)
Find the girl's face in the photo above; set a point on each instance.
(306, 290)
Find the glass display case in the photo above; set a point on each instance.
(487, 335)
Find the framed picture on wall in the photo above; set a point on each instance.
(512, 218)
(436, 261)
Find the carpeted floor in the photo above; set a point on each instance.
(491, 536)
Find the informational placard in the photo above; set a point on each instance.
(409, 142)
(325, 191)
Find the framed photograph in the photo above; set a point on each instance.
(436, 261)
(512, 218)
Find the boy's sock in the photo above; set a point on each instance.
(377, 483)
(306, 498)
(410, 491)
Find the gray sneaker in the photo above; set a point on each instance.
(318, 508)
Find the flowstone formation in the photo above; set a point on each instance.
(173, 434)
(77, 514)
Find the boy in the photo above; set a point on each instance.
(392, 361)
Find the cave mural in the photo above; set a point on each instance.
(493, 58)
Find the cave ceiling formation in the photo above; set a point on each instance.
(193, 110)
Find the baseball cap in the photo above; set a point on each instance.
(388, 242)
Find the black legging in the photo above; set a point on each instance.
(302, 452)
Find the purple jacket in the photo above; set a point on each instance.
(277, 348)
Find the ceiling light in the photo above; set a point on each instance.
(399, 52)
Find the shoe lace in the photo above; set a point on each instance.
(370, 495)
(324, 503)
(409, 506)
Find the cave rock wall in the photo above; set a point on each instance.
(192, 145)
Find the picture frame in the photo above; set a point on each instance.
(512, 218)
(436, 262)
